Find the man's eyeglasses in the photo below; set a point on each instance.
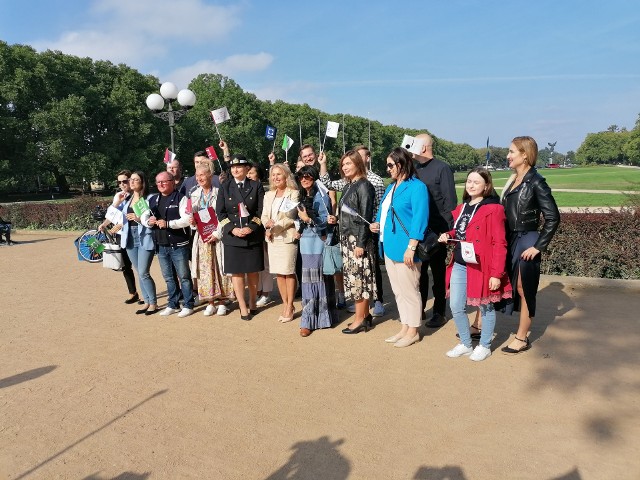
(163, 182)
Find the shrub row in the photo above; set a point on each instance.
(594, 244)
(73, 214)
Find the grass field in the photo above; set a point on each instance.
(590, 178)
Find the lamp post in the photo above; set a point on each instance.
(168, 94)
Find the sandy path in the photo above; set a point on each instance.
(88, 390)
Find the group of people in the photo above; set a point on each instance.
(218, 237)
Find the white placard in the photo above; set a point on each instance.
(114, 215)
(468, 252)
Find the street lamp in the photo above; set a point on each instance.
(168, 94)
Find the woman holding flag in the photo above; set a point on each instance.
(318, 300)
(238, 207)
(278, 217)
(355, 209)
(138, 240)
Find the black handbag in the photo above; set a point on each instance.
(426, 248)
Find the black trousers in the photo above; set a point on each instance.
(127, 273)
(438, 266)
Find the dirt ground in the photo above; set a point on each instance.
(89, 390)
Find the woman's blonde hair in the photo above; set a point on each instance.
(205, 166)
(529, 147)
(291, 183)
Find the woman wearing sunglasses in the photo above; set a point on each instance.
(118, 200)
(401, 221)
(318, 299)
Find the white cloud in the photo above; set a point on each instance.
(230, 66)
(191, 20)
(133, 32)
(103, 46)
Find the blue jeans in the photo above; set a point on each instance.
(458, 303)
(141, 260)
(179, 258)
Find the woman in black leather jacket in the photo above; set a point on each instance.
(525, 196)
(356, 211)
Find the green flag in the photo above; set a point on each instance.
(286, 143)
(140, 207)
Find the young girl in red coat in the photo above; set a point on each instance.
(476, 274)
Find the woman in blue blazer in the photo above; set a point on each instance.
(402, 221)
(138, 241)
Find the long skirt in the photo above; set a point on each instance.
(318, 296)
(359, 273)
(205, 267)
(529, 271)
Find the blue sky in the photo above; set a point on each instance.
(464, 69)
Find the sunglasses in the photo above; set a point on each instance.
(390, 166)
(305, 176)
(123, 181)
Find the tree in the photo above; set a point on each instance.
(602, 148)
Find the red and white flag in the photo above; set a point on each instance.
(242, 208)
(169, 156)
(211, 153)
(220, 115)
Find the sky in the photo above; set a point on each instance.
(463, 69)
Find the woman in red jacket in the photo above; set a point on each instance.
(476, 274)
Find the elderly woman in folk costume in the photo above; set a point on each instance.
(206, 259)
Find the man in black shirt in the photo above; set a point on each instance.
(438, 177)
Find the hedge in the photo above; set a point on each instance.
(604, 244)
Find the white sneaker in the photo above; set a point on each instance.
(210, 310)
(480, 353)
(185, 312)
(168, 311)
(222, 310)
(262, 301)
(351, 308)
(459, 350)
(378, 309)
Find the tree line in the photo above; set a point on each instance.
(67, 121)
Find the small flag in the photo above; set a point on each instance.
(348, 210)
(271, 133)
(332, 129)
(169, 156)
(211, 153)
(322, 188)
(287, 205)
(242, 208)
(140, 207)
(413, 144)
(220, 115)
(286, 143)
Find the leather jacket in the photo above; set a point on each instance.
(524, 204)
(360, 196)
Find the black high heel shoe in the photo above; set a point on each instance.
(366, 324)
(524, 348)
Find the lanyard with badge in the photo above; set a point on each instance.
(466, 248)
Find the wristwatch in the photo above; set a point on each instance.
(413, 249)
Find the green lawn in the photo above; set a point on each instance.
(591, 178)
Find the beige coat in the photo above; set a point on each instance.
(284, 221)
